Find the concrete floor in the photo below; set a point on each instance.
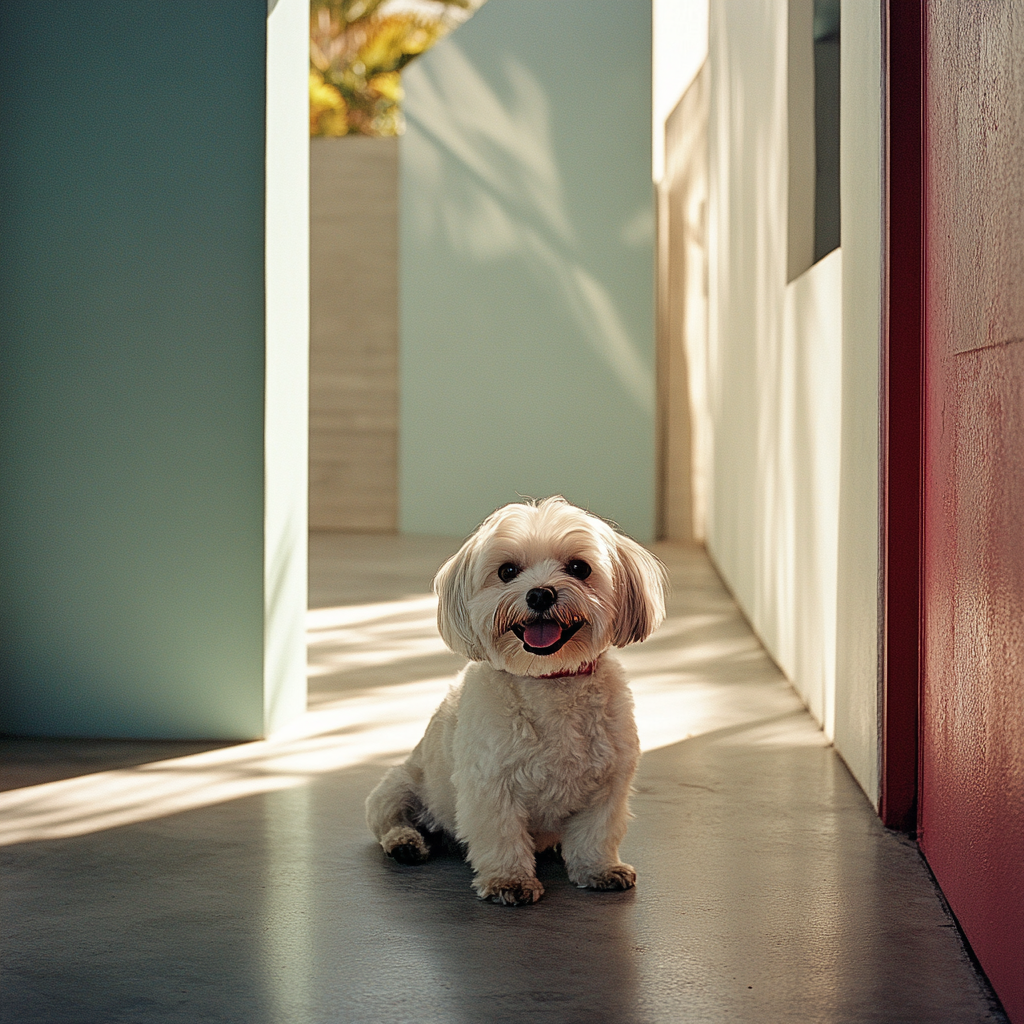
(190, 883)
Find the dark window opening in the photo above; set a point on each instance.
(826, 127)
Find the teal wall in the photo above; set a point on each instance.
(527, 266)
(133, 352)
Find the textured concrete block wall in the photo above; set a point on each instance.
(353, 394)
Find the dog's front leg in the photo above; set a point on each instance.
(590, 842)
(500, 848)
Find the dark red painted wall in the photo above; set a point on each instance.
(972, 700)
(902, 432)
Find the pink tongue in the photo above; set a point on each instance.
(542, 634)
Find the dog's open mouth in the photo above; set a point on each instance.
(546, 636)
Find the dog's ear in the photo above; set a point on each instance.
(453, 586)
(641, 582)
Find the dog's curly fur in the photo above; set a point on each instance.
(534, 746)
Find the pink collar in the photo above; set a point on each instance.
(584, 670)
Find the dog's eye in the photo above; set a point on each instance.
(578, 568)
(508, 572)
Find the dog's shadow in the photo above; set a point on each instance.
(570, 956)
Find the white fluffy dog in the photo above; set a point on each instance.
(535, 745)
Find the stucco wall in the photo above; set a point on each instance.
(792, 375)
(526, 268)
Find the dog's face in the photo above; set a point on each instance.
(546, 588)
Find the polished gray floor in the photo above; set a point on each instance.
(165, 883)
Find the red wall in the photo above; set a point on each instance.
(972, 701)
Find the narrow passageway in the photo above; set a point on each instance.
(767, 891)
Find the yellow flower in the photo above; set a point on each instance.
(388, 84)
(328, 111)
(323, 95)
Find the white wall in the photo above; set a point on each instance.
(680, 46)
(286, 395)
(792, 375)
(682, 317)
(527, 266)
(857, 646)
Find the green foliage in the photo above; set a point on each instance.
(357, 50)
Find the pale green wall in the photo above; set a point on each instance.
(527, 274)
(134, 341)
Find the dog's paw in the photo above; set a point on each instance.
(405, 845)
(613, 879)
(510, 892)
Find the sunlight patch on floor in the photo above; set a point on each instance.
(377, 725)
(364, 636)
(686, 681)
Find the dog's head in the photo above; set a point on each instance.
(544, 588)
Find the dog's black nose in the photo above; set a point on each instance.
(540, 599)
